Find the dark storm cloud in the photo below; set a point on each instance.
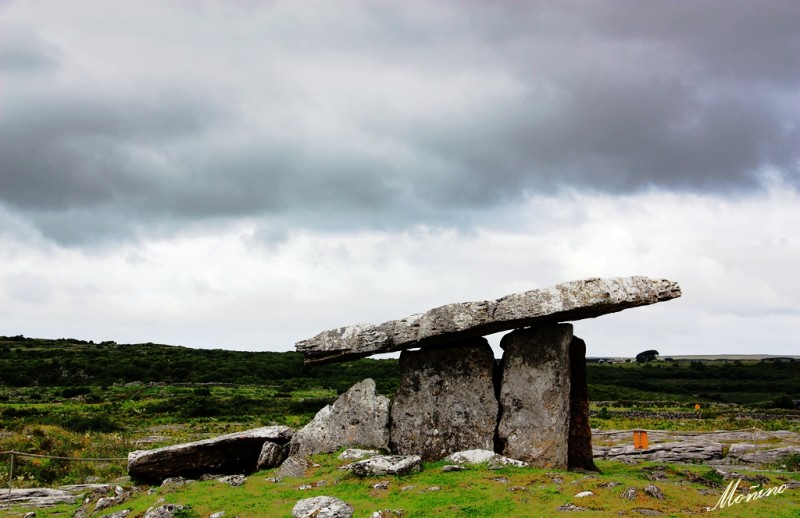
(394, 114)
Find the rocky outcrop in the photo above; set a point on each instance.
(665, 452)
(535, 395)
(579, 442)
(359, 417)
(37, 497)
(228, 454)
(564, 302)
(446, 401)
(322, 507)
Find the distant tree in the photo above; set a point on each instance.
(647, 356)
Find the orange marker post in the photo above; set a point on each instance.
(640, 439)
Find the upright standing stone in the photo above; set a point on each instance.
(579, 449)
(360, 417)
(534, 396)
(445, 402)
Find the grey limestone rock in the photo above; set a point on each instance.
(165, 511)
(272, 454)
(359, 417)
(568, 301)
(446, 401)
(483, 456)
(37, 497)
(228, 454)
(294, 466)
(665, 452)
(535, 395)
(322, 507)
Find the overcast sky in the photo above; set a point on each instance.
(244, 175)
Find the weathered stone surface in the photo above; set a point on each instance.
(294, 466)
(535, 395)
(745, 454)
(664, 452)
(322, 507)
(355, 454)
(272, 454)
(446, 401)
(484, 456)
(385, 465)
(579, 443)
(359, 417)
(228, 454)
(37, 497)
(564, 302)
(165, 511)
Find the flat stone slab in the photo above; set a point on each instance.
(564, 302)
(385, 465)
(227, 454)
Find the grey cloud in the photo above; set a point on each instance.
(23, 50)
(621, 97)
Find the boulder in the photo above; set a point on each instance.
(272, 454)
(579, 442)
(535, 395)
(385, 465)
(564, 302)
(446, 401)
(359, 417)
(322, 507)
(228, 454)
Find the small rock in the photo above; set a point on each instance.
(407, 488)
(233, 480)
(381, 485)
(387, 513)
(355, 454)
(584, 494)
(322, 507)
(174, 482)
(219, 514)
(558, 480)
(118, 514)
(274, 480)
(29, 515)
(647, 512)
(629, 493)
(656, 475)
(570, 508)
(501, 480)
(304, 487)
(106, 502)
(654, 491)
(433, 488)
(482, 456)
(516, 488)
(609, 485)
(452, 467)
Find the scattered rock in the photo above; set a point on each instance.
(629, 493)
(584, 494)
(219, 514)
(107, 501)
(294, 466)
(322, 507)
(359, 416)
(174, 482)
(272, 454)
(381, 485)
(119, 514)
(534, 395)
(570, 508)
(165, 511)
(568, 301)
(407, 488)
(37, 497)
(432, 489)
(446, 400)
(227, 454)
(388, 513)
(514, 489)
(501, 480)
(654, 491)
(386, 465)
(647, 512)
(305, 487)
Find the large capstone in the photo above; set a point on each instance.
(446, 401)
(359, 417)
(535, 395)
(569, 301)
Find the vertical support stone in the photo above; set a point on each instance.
(579, 450)
(446, 401)
(535, 395)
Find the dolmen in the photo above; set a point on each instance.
(454, 396)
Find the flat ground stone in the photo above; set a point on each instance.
(386, 465)
(564, 302)
(359, 417)
(484, 456)
(446, 401)
(535, 395)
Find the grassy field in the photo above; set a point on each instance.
(55, 399)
